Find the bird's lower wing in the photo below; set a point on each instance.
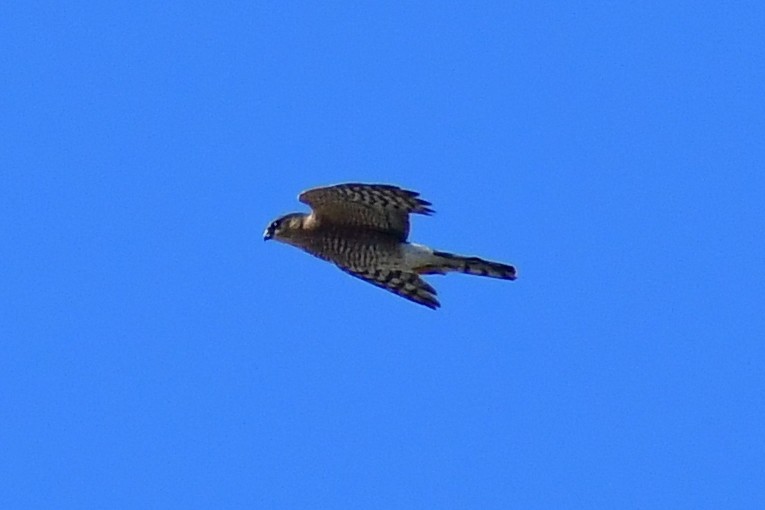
(407, 285)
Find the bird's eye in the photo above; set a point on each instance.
(274, 226)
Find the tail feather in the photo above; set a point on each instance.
(447, 262)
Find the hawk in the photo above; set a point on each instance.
(363, 230)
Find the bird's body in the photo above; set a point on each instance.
(363, 229)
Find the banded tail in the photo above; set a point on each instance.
(447, 262)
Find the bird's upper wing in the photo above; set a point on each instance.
(407, 285)
(380, 207)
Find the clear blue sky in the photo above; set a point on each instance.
(156, 353)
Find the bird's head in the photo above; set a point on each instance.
(281, 228)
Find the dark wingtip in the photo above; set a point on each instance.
(433, 305)
(423, 207)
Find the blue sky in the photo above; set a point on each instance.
(157, 354)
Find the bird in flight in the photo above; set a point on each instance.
(363, 230)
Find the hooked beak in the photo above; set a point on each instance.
(267, 234)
